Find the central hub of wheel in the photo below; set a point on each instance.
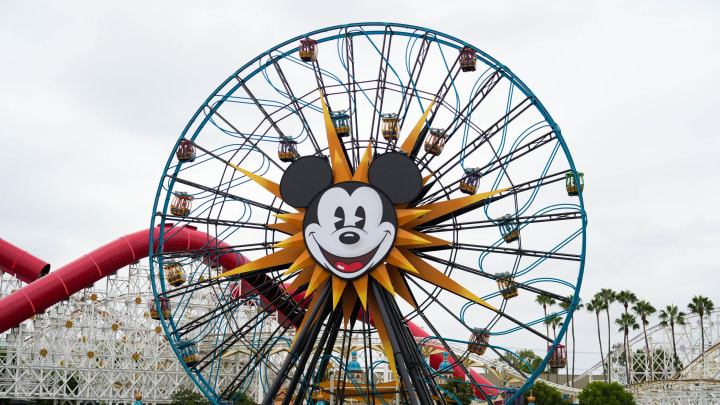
(350, 228)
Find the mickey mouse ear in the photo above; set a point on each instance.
(304, 179)
(397, 175)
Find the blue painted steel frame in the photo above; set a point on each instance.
(437, 37)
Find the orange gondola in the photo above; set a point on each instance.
(479, 341)
(435, 141)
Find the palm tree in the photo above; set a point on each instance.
(627, 321)
(626, 298)
(597, 306)
(672, 316)
(643, 309)
(607, 296)
(566, 306)
(545, 301)
(701, 305)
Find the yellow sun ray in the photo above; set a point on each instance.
(412, 137)
(300, 280)
(396, 258)
(426, 178)
(361, 173)
(284, 227)
(381, 275)
(338, 286)
(438, 278)
(296, 219)
(360, 285)
(297, 240)
(265, 183)
(302, 261)
(406, 215)
(400, 285)
(278, 258)
(446, 207)
(340, 166)
(405, 238)
(319, 276)
(430, 241)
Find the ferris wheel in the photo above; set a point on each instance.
(386, 197)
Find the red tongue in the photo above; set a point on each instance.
(348, 268)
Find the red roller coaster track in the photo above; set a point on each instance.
(60, 284)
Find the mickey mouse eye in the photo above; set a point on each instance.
(340, 215)
(360, 213)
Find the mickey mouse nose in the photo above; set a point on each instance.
(349, 238)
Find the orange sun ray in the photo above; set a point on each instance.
(296, 219)
(361, 285)
(340, 166)
(405, 238)
(302, 278)
(295, 241)
(284, 227)
(381, 275)
(406, 215)
(430, 241)
(318, 277)
(400, 285)
(361, 173)
(276, 259)
(338, 286)
(265, 183)
(438, 278)
(396, 258)
(303, 260)
(412, 137)
(446, 207)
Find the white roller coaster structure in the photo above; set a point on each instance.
(693, 379)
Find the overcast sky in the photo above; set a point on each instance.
(94, 94)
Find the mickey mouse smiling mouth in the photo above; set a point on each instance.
(350, 228)
(348, 264)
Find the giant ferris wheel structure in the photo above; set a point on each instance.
(389, 194)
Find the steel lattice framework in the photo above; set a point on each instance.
(100, 345)
(694, 378)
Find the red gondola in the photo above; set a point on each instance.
(185, 151)
(467, 59)
(308, 49)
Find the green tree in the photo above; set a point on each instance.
(460, 390)
(545, 394)
(545, 301)
(643, 309)
(188, 397)
(672, 316)
(245, 400)
(626, 322)
(601, 393)
(597, 306)
(701, 305)
(607, 296)
(530, 358)
(566, 306)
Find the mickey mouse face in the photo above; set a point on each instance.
(350, 227)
